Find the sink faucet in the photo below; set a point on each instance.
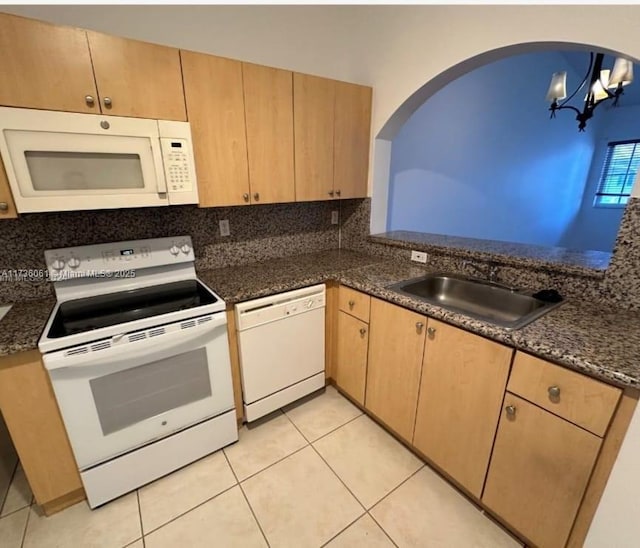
(490, 272)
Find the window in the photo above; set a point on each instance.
(618, 173)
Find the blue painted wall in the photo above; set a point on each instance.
(482, 159)
(597, 227)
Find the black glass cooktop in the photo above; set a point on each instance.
(81, 315)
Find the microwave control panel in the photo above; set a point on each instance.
(177, 168)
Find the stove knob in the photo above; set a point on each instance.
(174, 250)
(185, 249)
(74, 263)
(58, 264)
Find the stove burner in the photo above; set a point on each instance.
(82, 315)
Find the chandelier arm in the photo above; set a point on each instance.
(568, 107)
(584, 81)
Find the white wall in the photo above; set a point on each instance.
(597, 227)
(616, 523)
(481, 159)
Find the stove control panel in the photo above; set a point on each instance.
(107, 260)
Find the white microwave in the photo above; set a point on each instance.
(60, 161)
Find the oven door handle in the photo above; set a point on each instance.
(164, 346)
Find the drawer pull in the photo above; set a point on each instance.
(363, 331)
(352, 304)
(419, 326)
(554, 392)
(511, 411)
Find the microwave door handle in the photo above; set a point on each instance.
(150, 353)
(162, 183)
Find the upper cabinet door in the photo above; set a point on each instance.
(352, 140)
(268, 104)
(313, 104)
(45, 66)
(7, 206)
(137, 79)
(215, 108)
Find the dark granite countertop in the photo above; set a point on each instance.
(20, 329)
(599, 341)
(584, 263)
(240, 283)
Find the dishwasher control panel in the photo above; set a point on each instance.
(278, 307)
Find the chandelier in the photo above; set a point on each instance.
(604, 84)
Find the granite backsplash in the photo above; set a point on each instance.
(258, 233)
(265, 232)
(617, 286)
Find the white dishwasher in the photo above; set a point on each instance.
(281, 342)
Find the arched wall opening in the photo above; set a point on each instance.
(381, 167)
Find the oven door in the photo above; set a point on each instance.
(118, 394)
(58, 161)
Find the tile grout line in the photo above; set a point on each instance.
(382, 528)
(28, 505)
(189, 510)
(264, 536)
(140, 518)
(338, 477)
(273, 463)
(26, 525)
(6, 495)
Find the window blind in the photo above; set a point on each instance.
(618, 173)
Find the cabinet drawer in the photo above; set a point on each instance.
(580, 399)
(355, 303)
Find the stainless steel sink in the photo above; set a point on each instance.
(487, 301)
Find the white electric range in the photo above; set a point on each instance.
(137, 351)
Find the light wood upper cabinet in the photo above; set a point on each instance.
(7, 205)
(313, 104)
(461, 391)
(396, 344)
(30, 410)
(268, 104)
(45, 66)
(539, 471)
(352, 138)
(215, 107)
(351, 367)
(137, 79)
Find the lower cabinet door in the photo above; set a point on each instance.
(461, 390)
(353, 342)
(396, 344)
(539, 471)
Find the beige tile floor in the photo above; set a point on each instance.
(319, 473)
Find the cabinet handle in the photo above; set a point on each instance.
(331, 193)
(256, 196)
(431, 331)
(107, 102)
(363, 331)
(351, 304)
(4, 206)
(338, 192)
(245, 197)
(419, 326)
(511, 411)
(89, 100)
(554, 392)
